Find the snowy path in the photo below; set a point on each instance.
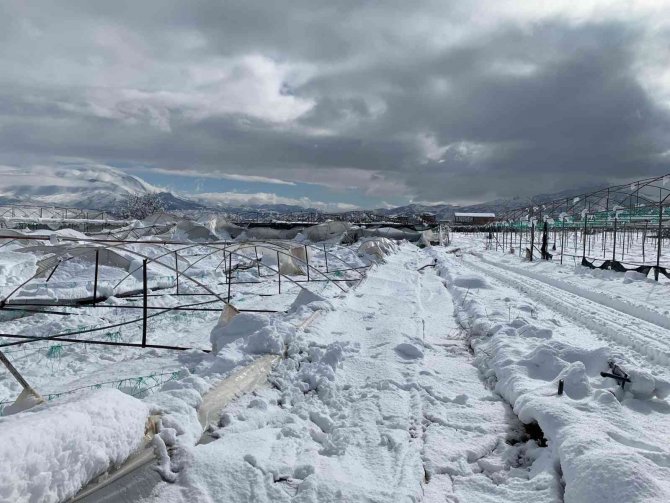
(380, 401)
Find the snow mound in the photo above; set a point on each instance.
(376, 248)
(307, 297)
(41, 458)
(631, 276)
(471, 281)
(326, 231)
(16, 267)
(603, 449)
(193, 231)
(408, 351)
(251, 333)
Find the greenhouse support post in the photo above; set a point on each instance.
(584, 240)
(614, 243)
(144, 303)
(278, 274)
(532, 239)
(660, 235)
(95, 276)
(325, 255)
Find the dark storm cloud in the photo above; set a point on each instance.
(420, 100)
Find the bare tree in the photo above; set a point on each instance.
(140, 206)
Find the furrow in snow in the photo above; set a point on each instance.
(645, 338)
(636, 310)
(606, 443)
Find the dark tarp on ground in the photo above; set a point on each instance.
(617, 266)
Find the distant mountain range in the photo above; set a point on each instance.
(446, 211)
(103, 188)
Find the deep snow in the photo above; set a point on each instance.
(378, 401)
(434, 383)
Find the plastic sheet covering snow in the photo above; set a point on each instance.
(106, 256)
(193, 231)
(287, 264)
(428, 237)
(376, 247)
(392, 233)
(326, 231)
(220, 226)
(240, 382)
(263, 233)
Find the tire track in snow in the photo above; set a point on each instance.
(647, 339)
(636, 310)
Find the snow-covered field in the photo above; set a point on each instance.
(434, 379)
(535, 324)
(56, 367)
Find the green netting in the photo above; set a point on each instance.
(55, 351)
(600, 218)
(134, 386)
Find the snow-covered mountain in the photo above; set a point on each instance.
(90, 186)
(103, 187)
(73, 186)
(446, 211)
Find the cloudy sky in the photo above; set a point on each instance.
(350, 103)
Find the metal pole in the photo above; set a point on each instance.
(644, 238)
(562, 239)
(53, 271)
(258, 264)
(584, 239)
(614, 246)
(12, 370)
(660, 230)
(95, 280)
(176, 268)
(230, 272)
(532, 239)
(144, 303)
(278, 273)
(307, 262)
(325, 254)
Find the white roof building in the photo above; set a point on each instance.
(475, 215)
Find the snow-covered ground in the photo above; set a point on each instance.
(535, 324)
(379, 401)
(634, 245)
(435, 379)
(56, 368)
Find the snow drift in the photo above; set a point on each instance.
(48, 454)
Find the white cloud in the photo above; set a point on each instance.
(238, 199)
(429, 147)
(217, 175)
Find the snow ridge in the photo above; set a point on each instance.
(596, 437)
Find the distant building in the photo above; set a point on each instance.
(474, 218)
(428, 218)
